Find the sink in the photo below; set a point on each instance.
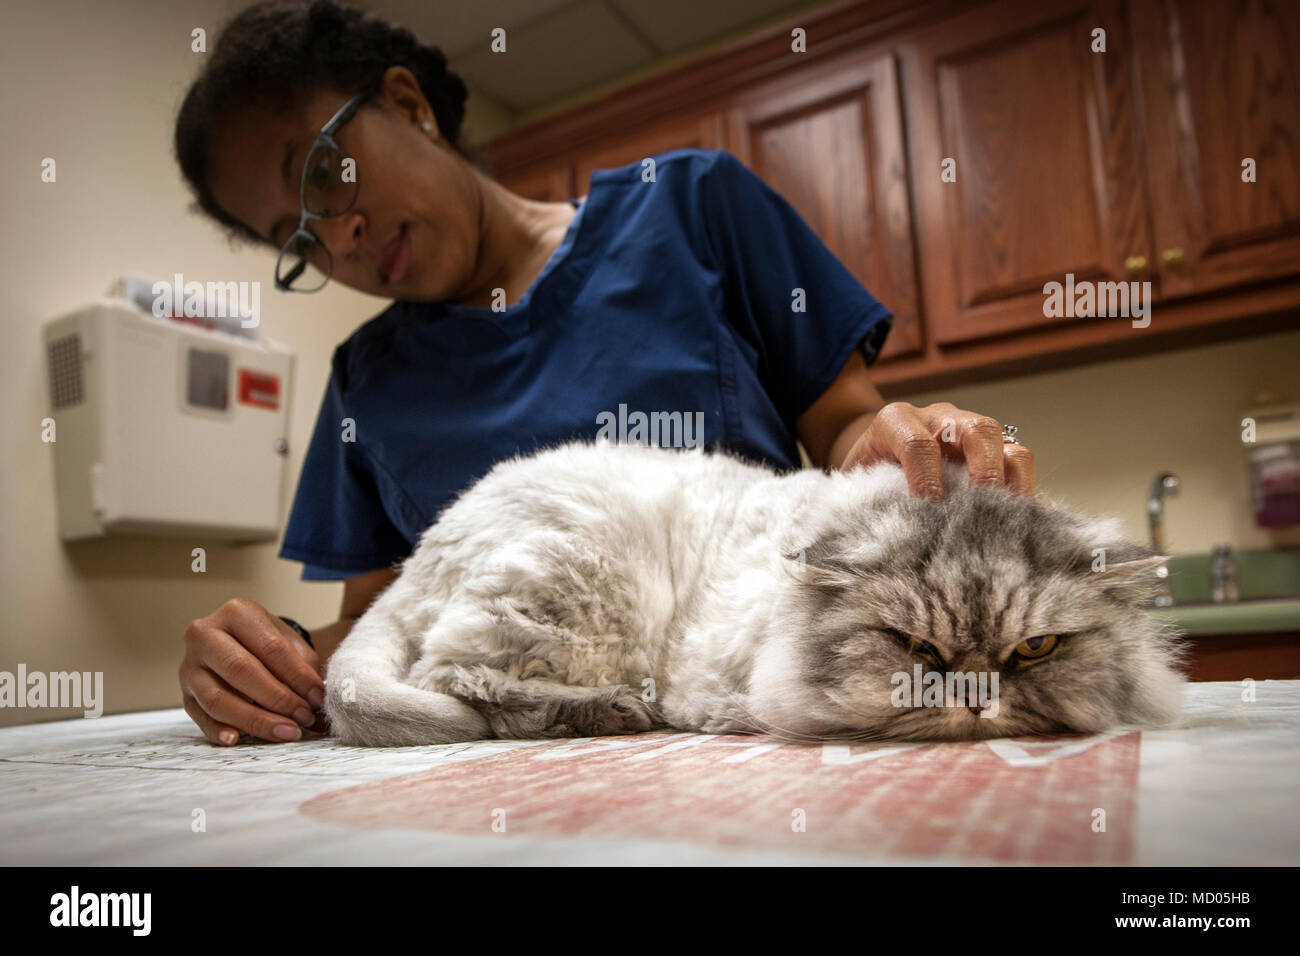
(1238, 618)
(1269, 582)
(1261, 575)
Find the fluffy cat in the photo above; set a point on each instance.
(609, 589)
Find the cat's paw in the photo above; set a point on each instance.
(635, 715)
(618, 711)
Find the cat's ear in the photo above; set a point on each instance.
(1130, 573)
(815, 568)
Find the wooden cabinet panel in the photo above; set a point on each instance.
(698, 132)
(830, 141)
(1221, 83)
(1048, 179)
(544, 183)
(1235, 657)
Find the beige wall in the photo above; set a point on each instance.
(1101, 433)
(95, 86)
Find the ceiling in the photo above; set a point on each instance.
(557, 49)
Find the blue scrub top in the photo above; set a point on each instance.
(674, 295)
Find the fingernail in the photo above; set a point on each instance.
(227, 737)
(317, 697)
(287, 732)
(303, 716)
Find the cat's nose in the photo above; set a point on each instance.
(971, 702)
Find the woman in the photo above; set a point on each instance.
(685, 287)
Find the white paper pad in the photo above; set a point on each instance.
(1221, 788)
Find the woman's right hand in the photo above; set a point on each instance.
(246, 671)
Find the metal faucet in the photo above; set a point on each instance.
(1165, 486)
(1224, 588)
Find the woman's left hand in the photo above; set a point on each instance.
(920, 438)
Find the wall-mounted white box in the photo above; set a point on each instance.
(165, 428)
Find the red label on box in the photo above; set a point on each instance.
(259, 388)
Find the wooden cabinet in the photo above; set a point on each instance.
(1234, 657)
(831, 142)
(1026, 161)
(698, 132)
(569, 176)
(1110, 165)
(1221, 87)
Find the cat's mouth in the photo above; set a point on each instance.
(965, 723)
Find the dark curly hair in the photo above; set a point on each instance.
(275, 53)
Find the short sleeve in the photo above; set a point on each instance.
(766, 252)
(337, 526)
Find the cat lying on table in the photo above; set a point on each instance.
(611, 589)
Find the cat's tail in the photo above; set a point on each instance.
(369, 703)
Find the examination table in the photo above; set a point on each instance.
(1219, 788)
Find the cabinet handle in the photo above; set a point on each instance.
(1173, 258)
(1135, 265)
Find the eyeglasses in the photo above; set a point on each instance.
(305, 264)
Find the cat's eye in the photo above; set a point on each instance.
(1036, 648)
(913, 645)
(927, 649)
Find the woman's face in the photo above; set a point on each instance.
(413, 231)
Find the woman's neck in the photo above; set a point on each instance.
(518, 236)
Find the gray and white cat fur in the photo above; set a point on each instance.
(598, 589)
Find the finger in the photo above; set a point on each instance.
(217, 733)
(258, 631)
(1019, 462)
(223, 704)
(302, 647)
(980, 438)
(915, 448)
(245, 674)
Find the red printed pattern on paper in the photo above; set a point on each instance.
(1023, 801)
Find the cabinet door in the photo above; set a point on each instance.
(830, 140)
(543, 183)
(1221, 85)
(1049, 179)
(698, 132)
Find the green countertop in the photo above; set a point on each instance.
(1243, 617)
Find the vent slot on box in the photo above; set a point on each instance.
(67, 387)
